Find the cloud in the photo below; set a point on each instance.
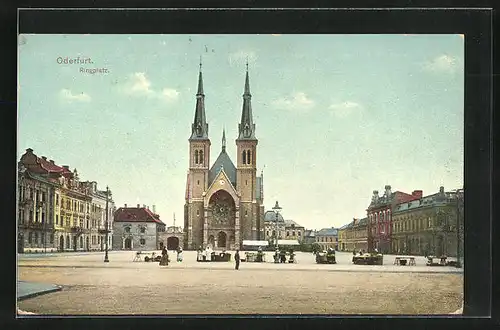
(139, 85)
(443, 63)
(298, 101)
(68, 96)
(170, 94)
(240, 57)
(345, 109)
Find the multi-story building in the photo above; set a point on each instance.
(137, 228)
(284, 229)
(354, 235)
(379, 214)
(54, 211)
(327, 238)
(427, 226)
(294, 231)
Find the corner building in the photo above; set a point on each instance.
(224, 202)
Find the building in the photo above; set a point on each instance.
(54, 208)
(172, 238)
(136, 228)
(354, 235)
(224, 202)
(427, 226)
(327, 238)
(285, 229)
(379, 214)
(309, 236)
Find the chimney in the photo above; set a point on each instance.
(66, 167)
(147, 207)
(29, 151)
(144, 205)
(441, 190)
(417, 193)
(44, 158)
(52, 162)
(125, 205)
(138, 206)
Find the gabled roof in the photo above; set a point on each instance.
(134, 214)
(327, 232)
(223, 161)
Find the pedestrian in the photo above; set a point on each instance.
(237, 259)
(164, 257)
(179, 254)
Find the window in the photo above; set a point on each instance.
(244, 157)
(68, 242)
(287, 233)
(42, 238)
(267, 233)
(249, 157)
(298, 233)
(197, 212)
(127, 229)
(30, 237)
(51, 238)
(142, 241)
(81, 242)
(31, 216)
(201, 157)
(198, 182)
(293, 233)
(36, 238)
(43, 217)
(143, 230)
(57, 200)
(57, 219)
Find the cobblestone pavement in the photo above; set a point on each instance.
(121, 286)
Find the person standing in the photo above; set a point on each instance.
(237, 259)
(164, 257)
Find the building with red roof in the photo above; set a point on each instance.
(137, 228)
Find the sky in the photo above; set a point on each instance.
(337, 116)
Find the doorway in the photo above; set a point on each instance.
(128, 243)
(221, 239)
(61, 243)
(172, 243)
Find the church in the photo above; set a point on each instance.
(224, 202)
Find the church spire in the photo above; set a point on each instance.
(199, 128)
(247, 128)
(223, 140)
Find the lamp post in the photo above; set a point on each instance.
(276, 210)
(106, 259)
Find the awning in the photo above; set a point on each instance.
(288, 242)
(255, 243)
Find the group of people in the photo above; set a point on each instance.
(165, 257)
(280, 256)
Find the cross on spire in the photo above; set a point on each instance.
(200, 63)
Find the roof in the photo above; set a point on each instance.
(134, 214)
(327, 232)
(309, 233)
(291, 222)
(223, 161)
(437, 199)
(271, 216)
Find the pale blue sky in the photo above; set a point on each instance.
(337, 116)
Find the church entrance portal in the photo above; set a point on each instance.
(128, 243)
(172, 243)
(221, 239)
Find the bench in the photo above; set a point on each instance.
(402, 261)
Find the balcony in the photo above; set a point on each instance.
(103, 231)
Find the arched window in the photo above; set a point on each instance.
(244, 157)
(196, 156)
(249, 159)
(201, 157)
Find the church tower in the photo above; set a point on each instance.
(197, 183)
(246, 173)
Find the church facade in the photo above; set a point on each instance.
(223, 202)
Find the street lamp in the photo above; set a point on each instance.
(276, 210)
(106, 259)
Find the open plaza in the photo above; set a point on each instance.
(127, 287)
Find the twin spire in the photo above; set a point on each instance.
(246, 128)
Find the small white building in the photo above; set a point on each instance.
(137, 228)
